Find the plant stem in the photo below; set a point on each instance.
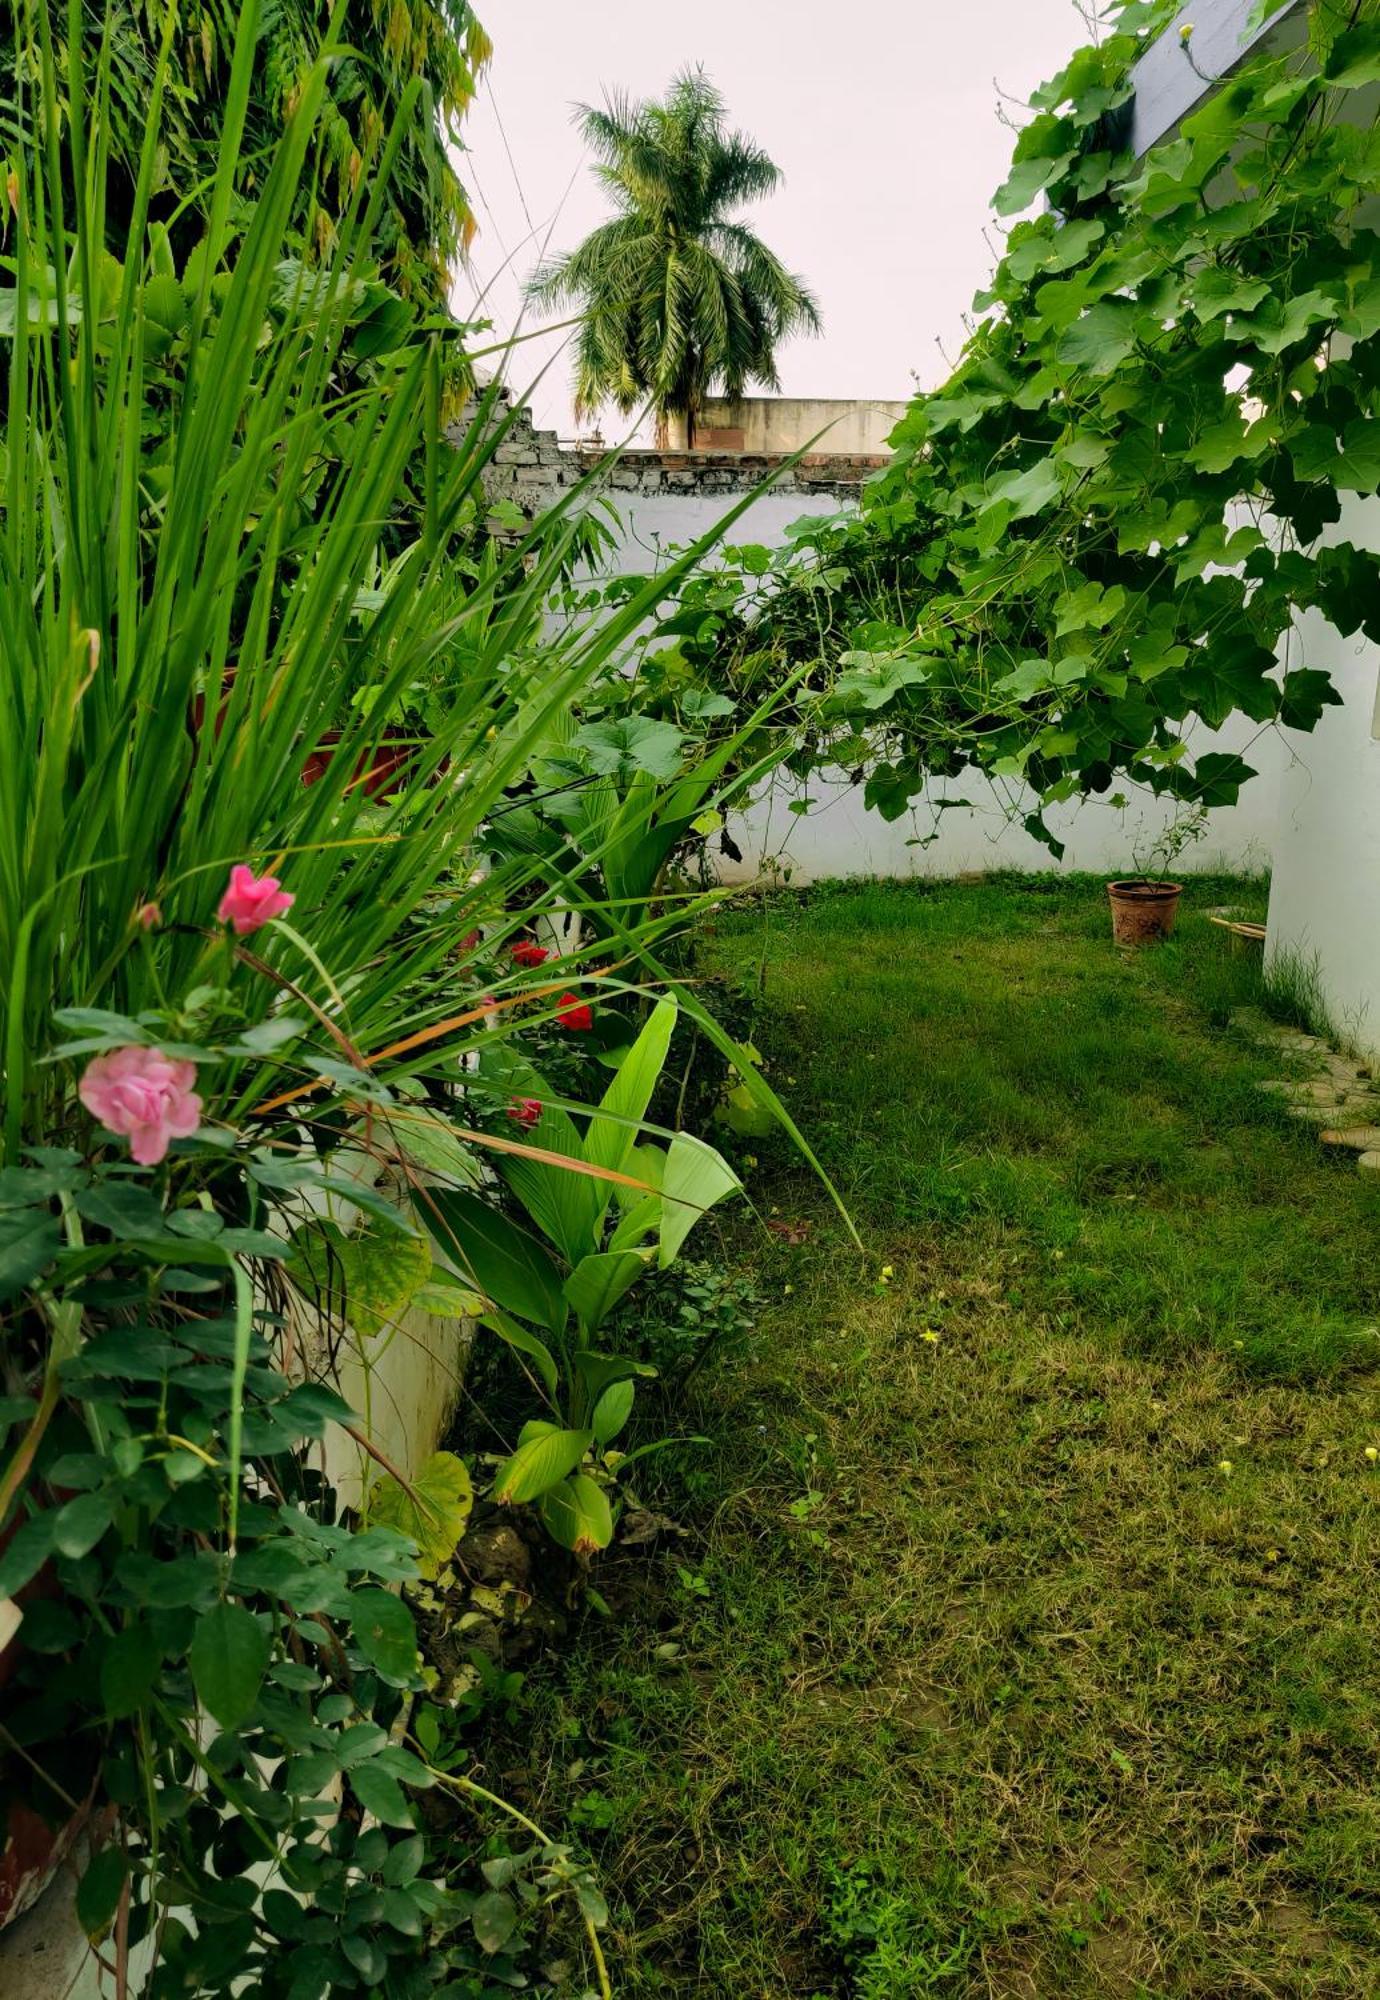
(491, 1798)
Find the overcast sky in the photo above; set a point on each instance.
(884, 116)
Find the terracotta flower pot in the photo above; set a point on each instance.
(31, 1851)
(1143, 912)
(386, 768)
(33, 1845)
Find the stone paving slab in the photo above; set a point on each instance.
(1339, 1096)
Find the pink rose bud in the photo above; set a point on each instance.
(252, 900)
(148, 916)
(143, 1096)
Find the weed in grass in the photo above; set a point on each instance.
(1292, 993)
(896, 1942)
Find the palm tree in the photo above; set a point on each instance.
(678, 299)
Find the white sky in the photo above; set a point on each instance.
(881, 114)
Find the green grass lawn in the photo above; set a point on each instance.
(1023, 1639)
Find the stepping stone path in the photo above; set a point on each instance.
(1341, 1097)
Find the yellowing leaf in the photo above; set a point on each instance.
(434, 1514)
(576, 1514)
(369, 1279)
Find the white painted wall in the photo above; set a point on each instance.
(1325, 890)
(652, 526)
(839, 837)
(402, 1383)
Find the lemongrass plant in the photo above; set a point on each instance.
(209, 542)
(202, 463)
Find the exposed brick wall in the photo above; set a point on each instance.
(531, 467)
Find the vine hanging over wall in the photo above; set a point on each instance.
(1105, 522)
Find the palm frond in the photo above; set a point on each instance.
(679, 297)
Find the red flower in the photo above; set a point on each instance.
(525, 1111)
(573, 1013)
(527, 953)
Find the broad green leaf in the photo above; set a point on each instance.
(745, 1114)
(645, 1164)
(1101, 340)
(80, 1524)
(130, 1661)
(640, 1222)
(633, 743)
(165, 313)
(1228, 442)
(368, 1958)
(598, 1282)
(612, 1411)
(1048, 246)
(597, 1371)
(368, 1278)
(320, 1263)
(1304, 694)
(562, 1201)
(379, 1792)
(29, 1548)
(447, 1296)
(1027, 179)
(1218, 290)
(872, 686)
(39, 312)
(1020, 494)
(1276, 325)
(406, 1859)
(696, 1178)
(1354, 58)
(576, 1514)
(385, 1633)
(547, 1456)
(523, 1341)
(432, 1146)
(494, 1919)
(1089, 608)
(388, 1268)
(99, 1891)
(228, 1659)
(1353, 463)
(121, 1207)
(613, 1131)
(29, 1241)
(436, 1517)
(508, 1266)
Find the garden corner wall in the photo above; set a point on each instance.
(1324, 839)
(664, 499)
(1325, 888)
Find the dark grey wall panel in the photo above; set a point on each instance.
(1170, 78)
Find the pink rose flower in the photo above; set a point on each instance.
(143, 1096)
(251, 900)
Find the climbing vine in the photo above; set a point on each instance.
(1105, 522)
